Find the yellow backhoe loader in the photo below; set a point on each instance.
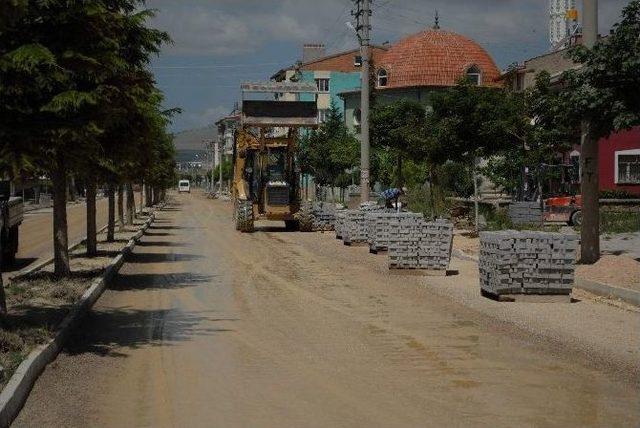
(266, 179)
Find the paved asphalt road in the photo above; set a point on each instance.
(207, 327)
(36, 232)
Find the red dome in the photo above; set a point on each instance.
(435, 58)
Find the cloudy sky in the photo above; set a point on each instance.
(220, 43)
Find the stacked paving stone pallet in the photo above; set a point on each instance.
(513, 262)
(416, 244)
(324, 216)
(525, 212)
(377, 224)
(355, 230)
(339, 224)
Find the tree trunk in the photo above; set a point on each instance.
(399, 178)
(60, 237)
(92, 243)
(72, 189)
(142, 187)
(120, 207)
(3, 297)
(148, 197)
(36, 194)
(590, 230)
(111, 224)
(131, 204)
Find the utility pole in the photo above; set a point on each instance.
(363, 28)
(220, 162)
(589, 180)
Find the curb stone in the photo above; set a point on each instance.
(629, 296)
(17, 390)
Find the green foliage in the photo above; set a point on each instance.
(397, 132)
(616, 194)
(605, 90)
(227, 171)
(328, 152)
(77, 97)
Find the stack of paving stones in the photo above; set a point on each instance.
(324, 216)
(355, 225)
(526, 262)
(377, 224)
(414, 243)
(525, 213)
(339, 225)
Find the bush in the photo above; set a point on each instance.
(616, 194)
(619, 221)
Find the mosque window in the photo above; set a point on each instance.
(382, 78)
(474, 75)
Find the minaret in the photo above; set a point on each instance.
(562, 17)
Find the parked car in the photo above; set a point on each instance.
(11, 216)
(184, 186)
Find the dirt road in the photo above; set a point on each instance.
(208, 327)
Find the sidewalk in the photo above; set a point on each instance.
(600, 330)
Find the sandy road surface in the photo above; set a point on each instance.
(208, 327)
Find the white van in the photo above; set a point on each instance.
(184, 186)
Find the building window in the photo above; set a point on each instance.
(627, 167)
(322, 85)
(357, 61)
(382, 78)
(322, 115)
(474, 75)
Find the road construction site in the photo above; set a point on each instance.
(207, 326)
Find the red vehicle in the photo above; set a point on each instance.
(565, 209)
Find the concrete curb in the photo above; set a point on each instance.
(17, 390)
(629, 296)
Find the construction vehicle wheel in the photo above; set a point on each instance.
(244, 216)
(291, 225)
(305, 218)
(576, 218)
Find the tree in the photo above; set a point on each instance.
(398, 129)
(51, 66)
(328, 152)
(605, 93)
(542, 134)
(74, 74)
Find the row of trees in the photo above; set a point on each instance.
(77, 99)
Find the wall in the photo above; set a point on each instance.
(338, 82)
(625, 140)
